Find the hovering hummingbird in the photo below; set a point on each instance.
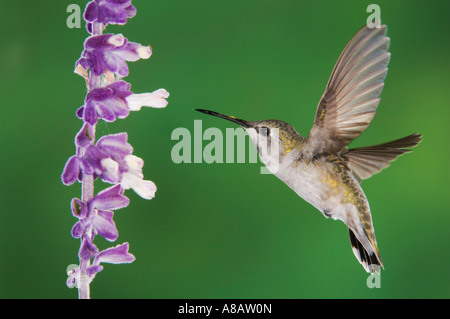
(321, 168)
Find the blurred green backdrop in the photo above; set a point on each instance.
(224, 230)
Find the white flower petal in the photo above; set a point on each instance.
(144, 52)
(117, 40)
(155, 99)
(111, 167)
(145, 189)
(134, 163)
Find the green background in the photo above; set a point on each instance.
(224, 230)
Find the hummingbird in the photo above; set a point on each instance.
(321, 168)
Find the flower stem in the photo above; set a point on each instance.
(87, 193)
(87, 188)
(84, 291)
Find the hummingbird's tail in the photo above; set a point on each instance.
(369, 160)
(370, 260)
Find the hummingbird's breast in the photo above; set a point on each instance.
(326, 183)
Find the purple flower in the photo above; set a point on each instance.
(96, 215)
(116, 101)
(85, 136)
(108, 12)
(108, 103)
(113, 161)
(109, 52)
(114, 255)
(75, 166)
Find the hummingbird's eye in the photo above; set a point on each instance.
(264, 131)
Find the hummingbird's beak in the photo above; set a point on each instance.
(242, 123)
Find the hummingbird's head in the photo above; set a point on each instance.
(273, 139)
(276, 135)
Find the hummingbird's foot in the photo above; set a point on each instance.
(327, 213)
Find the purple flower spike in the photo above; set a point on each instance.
(102, 64)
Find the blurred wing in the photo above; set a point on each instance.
(352, 93)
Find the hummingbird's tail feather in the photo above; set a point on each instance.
(371, 261)
(366, 161)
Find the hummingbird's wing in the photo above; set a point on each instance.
(352, 93)
(369, 160)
